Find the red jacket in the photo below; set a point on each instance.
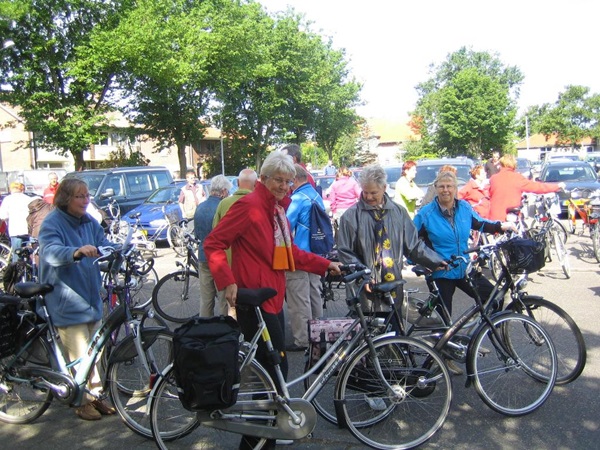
(248, 229)
(506, 190)
(477, 196)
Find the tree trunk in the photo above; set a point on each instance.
(182, 161)
(78, 160)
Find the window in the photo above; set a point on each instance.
(115, 182)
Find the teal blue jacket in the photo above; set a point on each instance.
(76, 296)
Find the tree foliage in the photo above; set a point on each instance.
(467, 106)
(574, 116)
(174, 67)
(41, 38)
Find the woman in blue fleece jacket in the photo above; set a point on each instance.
(445, 225)
(68, 239)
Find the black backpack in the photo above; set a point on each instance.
(320, 230)
(206, 362)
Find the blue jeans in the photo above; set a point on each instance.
(15, 244)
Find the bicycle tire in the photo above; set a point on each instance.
(21, 401)
(495, 267)
(176, 297)
(561, 253)
(571, 352)
(129, 382)
(595, 232)
(516, 375)
(176, 239)
(142, 288)
(172, 423)
(413, 412)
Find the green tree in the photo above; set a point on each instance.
(481, 84)
(41, 37)
(574, 116)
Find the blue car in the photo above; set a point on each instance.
(152, 218)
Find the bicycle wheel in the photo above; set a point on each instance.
(596, 240)
(176, 239)
(176, 297)
(130, 380)
(560, 229)
(181, 428)
(408, 411)
(21, 401)
(561, 253)
(495, 267)
(142, 287)
(566, 336)
(514, 368)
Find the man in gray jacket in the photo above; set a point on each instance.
(377, 232)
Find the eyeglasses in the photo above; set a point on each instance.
(81, 197)
(282, 181)
(441, 187)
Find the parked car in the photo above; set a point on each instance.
(323, 183)
(575, 174)
(593, 159)
(152, 217)
(524, 168)
(129, 186)
(427, 170)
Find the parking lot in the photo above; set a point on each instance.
(570, 419)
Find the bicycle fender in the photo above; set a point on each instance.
(126, 350)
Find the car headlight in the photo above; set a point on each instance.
(158, 223)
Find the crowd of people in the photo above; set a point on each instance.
(260, 237)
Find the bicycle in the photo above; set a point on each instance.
(567, 337)
(176, 296)
(406, 376)
(171, 224)
(511, 360)
(115, 229)
(585, 204)
(34, 370)
(545, 228)
(332, 286)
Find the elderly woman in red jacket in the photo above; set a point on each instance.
(257, 230)
(477, 191)
(508, 186)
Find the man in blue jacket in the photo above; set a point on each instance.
(303, 289)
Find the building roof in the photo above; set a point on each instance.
(390, 130)
(540, 140)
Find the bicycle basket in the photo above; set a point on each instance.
(524, 255)
(173, 217)
(9, 322)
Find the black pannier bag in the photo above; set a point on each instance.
(206, 362)
(9, 323)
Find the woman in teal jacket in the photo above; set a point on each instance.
(445, 225)
(69, 238)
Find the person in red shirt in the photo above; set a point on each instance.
(258, 232)
(50, 191)
(477, 191)
(508, 185)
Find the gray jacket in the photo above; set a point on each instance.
(356, 237)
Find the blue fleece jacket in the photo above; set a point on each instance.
(451, 239)
(76, 295)
(298, 213)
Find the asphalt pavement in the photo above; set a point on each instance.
(570, 419)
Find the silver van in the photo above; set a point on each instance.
(129, 186)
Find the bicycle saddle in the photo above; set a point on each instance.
(254, 297)
(135, 216)
(29, 289)
(421, 270)
(388, 286)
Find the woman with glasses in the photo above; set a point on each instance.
(258, 232)
(68, 239)
(445, 225)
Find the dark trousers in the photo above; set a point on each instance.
(248, 322)
(447, 287)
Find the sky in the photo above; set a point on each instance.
(390, 44)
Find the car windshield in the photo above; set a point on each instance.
(92, 180)
(523, 164)
(324, 182)
(569, 173)
(164, 195)
(426, 173)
